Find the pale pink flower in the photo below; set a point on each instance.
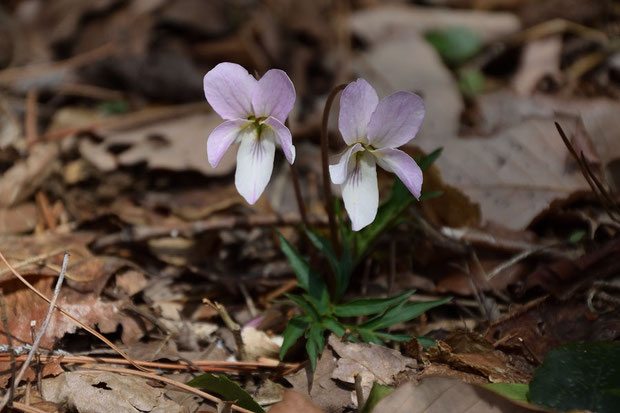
(373, 130)
(255, 111)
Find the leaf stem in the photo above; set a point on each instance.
(327, 190)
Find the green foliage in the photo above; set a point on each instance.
(227, 389)
(579, 376)
(471, 82)
(455, 44)
(577, 236)
(323, 312)
(377, 392)
(514, 391)
(114, 107)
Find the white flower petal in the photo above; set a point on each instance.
(361, 193)
(223, 136)
(254, 167)
(342, 169)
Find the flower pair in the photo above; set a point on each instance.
(255, 112)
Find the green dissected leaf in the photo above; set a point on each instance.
(308, 279)
(455, 44)
(334, 326)
(579, 376)
(341, 268)
(321, 306)
(401, 313)
(514, 391)
(471, 82)
(393, 337)
(429, 159)
(378, 392)
(294, 330)
(367, 306)
(227, 389)
(305, 306)
(313, 352)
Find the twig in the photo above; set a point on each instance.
(46, 210)
(40, 334)
(190, 229)
(298, 197)
(517, 258)
(164, 380)
(206, 365)
(25, 408)
(72, 318)
(234, 328)
(327, 189)
(32, 116)
(9, 341)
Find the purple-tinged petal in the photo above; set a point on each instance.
(398, 162)
(223, 136)
(396, 120)
(228, 89)
(361, 193)
(340, 171)
(276, 131)
(357, 103)
(254, 167)
(274, 96)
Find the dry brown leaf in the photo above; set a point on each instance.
(107, 392)
(18, 219)
(442, 395)
(295, 402)
(258, 344)
(540, 58)
(10, 130)
(177, 144)
(22, 179)
(372, 362)
(322, 389)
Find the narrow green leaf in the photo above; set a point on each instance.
(426, 342)
(377, 392)
(316, 333)
(471, 82)
(401, 313)
(227, 389)
(305, 306)
(294, 330)
(367, 306)
(322, 244)
(431, 195)
(368, 336)
(308, 279)
(334, 326)
(400, 338)
(514, 391)
(430, 159)
(321, 306)
(576, 236)
(311, 349)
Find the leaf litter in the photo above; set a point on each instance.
(114, 172)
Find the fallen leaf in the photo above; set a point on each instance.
(540, 58)
(10, 130)
(23, 179)
(295, 402)
(372, 362)
(259, 344)
(320, 387)
(107, 392)
(18, 219)
(442, 395)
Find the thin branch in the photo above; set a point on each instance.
(25, 408)
(234, 328)
(9, 341)
(189, 229)
(40, 334)
(164, 380)
(72, 318)
(327, 189)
